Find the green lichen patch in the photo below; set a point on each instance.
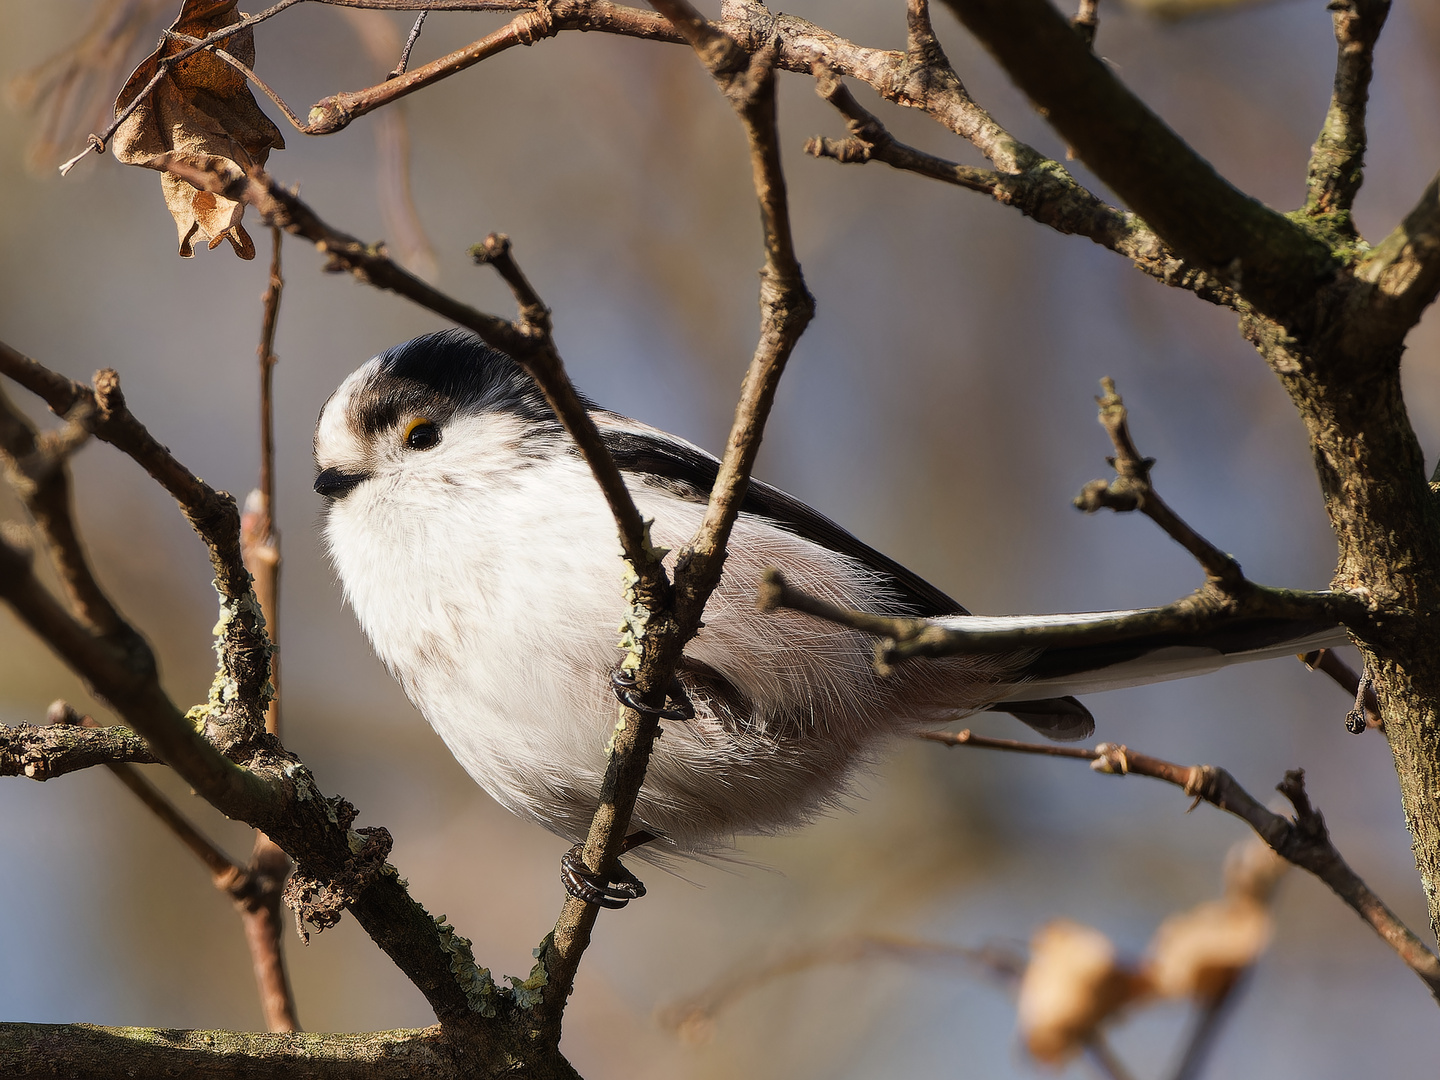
(479, 988)
(528, 992)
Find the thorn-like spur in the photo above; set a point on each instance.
(584, 884)
(623, 683)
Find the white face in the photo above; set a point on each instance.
(394, 448)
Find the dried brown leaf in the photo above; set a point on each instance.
(1201, 952)
(1073, 984)
(200, 111)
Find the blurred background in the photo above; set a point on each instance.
(940, 406)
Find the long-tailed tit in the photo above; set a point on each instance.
(482, 562)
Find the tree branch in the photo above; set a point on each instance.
(339, 867)
(1045, 192)
(1273, 263)
(1337, 161)
(1228, 600)
(1202, 612)
(786, 308)
(331, 114)
(525, 344)
(1131, 490)
(258, 892)
(88, 1052)
(36, 467)
(1402, 273)
(43, 753)
(1303, 840)
(243, 648)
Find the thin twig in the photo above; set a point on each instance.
(922, 47)
(260, 545)
(1102, 1055)
(405, 233)
(537, 22)
(404, 62)
(259, 541)
(1329, 662)
(1131, 490)
(211, 513)
(244, 69)
(870, 141)
(1303, 840)
(38, 473)
(786, 307)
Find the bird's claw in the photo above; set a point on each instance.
(623, 683)
(585, 884)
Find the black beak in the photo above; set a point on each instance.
(334, 484)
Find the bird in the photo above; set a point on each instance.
(484, 565)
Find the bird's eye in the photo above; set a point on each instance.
(421, 434)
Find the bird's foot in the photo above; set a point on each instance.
(585, 884)
(623, 683)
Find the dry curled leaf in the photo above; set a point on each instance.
(1201, 952)
(201, 111)
(1074, 983)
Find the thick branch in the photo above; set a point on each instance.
(1274, 264)
(87, 1052)
(1303, 840)
(1337, 161)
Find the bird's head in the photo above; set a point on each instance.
(440, 410)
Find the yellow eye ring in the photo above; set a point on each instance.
(420, 434)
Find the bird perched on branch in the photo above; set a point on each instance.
(483, 564)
